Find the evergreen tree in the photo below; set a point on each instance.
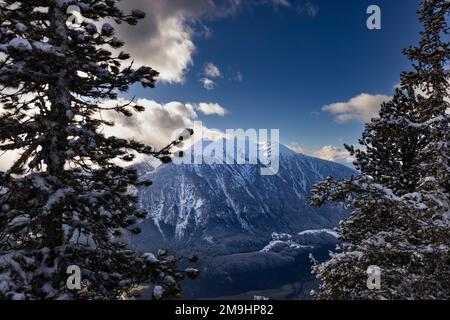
(66, 200)
(401, 198)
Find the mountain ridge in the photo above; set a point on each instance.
(232, 206)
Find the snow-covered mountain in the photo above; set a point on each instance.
(232, 208)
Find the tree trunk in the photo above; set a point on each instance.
(60, 100)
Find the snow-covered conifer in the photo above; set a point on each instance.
(400, 199)
(67, 200)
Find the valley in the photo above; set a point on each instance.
(252, 233)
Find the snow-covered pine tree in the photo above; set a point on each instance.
(400, 200)
(66, 200)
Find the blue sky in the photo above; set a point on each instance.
(292, 63)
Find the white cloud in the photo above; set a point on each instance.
(164, 40)
(361, 108)
(328, 153)
(284, 3)
(159, 123)
(334, 154)
(211, 108)
(239, 77)
(308, 8)
(157, 126)
(208, 84)
(297, 148)
(7, 160)
(211, 70)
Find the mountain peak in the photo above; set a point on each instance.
(235, 148)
